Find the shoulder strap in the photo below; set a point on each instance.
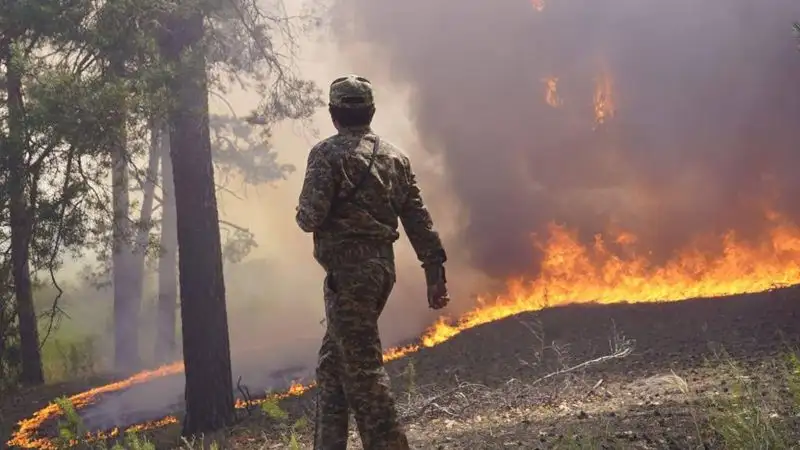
(350, 195)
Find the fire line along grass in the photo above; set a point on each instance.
(571, 273)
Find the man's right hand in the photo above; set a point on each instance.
(438, 297)
(435, 277)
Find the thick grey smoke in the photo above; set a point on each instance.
(704, 135)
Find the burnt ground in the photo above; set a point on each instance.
(677, 368)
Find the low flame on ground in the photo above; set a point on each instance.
(571, 273)
(25, 437)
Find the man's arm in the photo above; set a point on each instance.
(418, 224)
(317, 192)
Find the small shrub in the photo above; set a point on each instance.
(290, 433)
(70, 427)
(793, 380)
(745, 418)
(273, 410)
(132, 441)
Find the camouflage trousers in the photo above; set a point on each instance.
(350, 373)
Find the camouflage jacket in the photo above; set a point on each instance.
(367, 223)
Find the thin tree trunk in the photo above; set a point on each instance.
(204, 318)
(126, 306)
(142, 240)
(166, 347)
(21, 227)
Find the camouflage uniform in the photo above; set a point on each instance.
(353, 242)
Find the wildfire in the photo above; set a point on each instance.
(604, 107)
(551, 92)
(538, 5)
(571, 273)
(25, 437)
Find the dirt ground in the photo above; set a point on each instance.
(626, 376)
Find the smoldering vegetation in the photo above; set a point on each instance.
(670, 120)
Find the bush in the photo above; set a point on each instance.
(755, 415)
(290, 431)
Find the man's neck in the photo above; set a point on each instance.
(354, 131)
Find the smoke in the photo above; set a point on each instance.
(702, 136)
(282, 318)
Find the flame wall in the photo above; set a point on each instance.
(671, 119)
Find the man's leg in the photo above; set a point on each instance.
(360, 294)
(332, 414)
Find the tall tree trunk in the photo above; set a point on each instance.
(165, 350)
(146, 214)
(126, 306)
(21, 226)
(204, 318)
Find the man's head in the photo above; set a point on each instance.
(351, 102)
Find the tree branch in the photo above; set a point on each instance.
(55, 311)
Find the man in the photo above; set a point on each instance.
(356, 187)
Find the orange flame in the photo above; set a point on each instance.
(571, 273)
(551, 92)
(604, 107)
(25, 437)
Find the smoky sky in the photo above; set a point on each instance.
(706, 131)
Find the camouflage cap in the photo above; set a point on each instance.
(351, 91)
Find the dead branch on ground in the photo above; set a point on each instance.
(246, 397)
(417, 405)
(455, 401)
(619, 347)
